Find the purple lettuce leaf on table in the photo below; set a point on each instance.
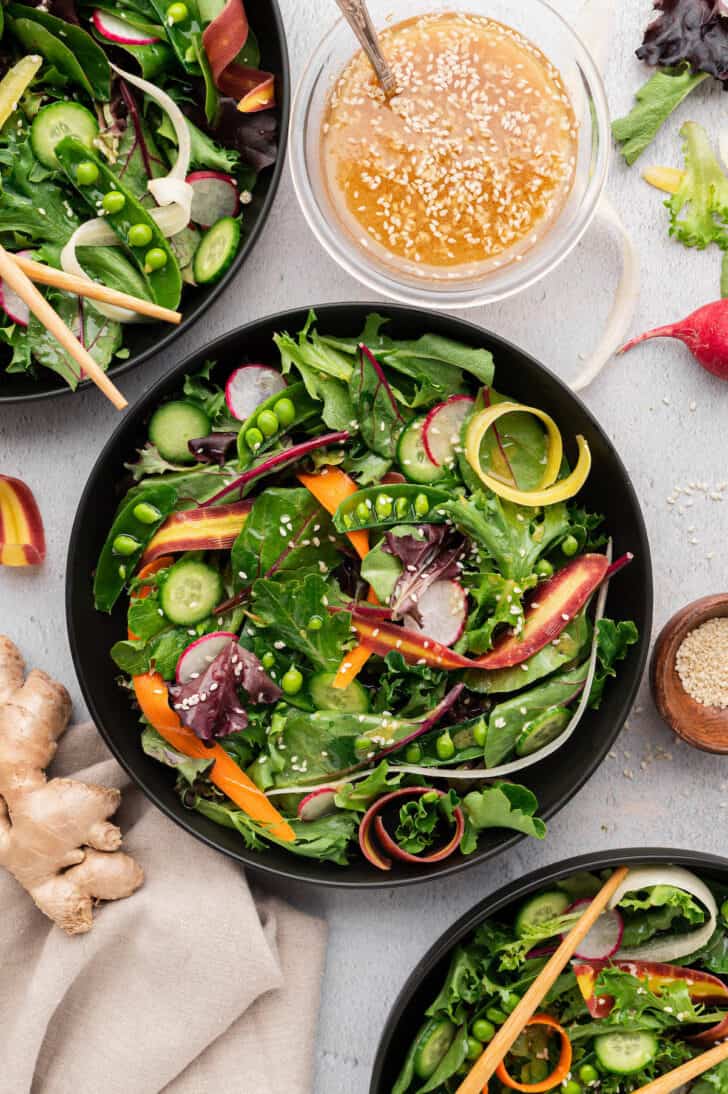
(210, 705)
(695, 31)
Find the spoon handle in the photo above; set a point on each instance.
(357, 16)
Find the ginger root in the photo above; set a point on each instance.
(55, 836)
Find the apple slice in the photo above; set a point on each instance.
(703, 987)
(553, 605)
(22, 539)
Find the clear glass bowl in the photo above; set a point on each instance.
(537, 21)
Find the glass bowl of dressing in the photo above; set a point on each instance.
(478, 176)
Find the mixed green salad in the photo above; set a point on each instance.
(645, 993)
(131, 137)
(361, 592)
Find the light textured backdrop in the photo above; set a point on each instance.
(669, 420)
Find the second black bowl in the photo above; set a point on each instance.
(609, 491)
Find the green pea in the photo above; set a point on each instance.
(146, 513)
(268, 660)
(292, 681)
(510, 1001)
(139, 235)
(483, 1030)
(422, 505)
(155, 259)
(497, 1017)
(253, 438)
(480, 731)
(113, 202)
(268, 423)
(475, 1048)
(383, 506)
(570, 546)
(315, 623)
(401, 506)
(122, 572)
(544, 568)
(444, 746)
(285, 411)
(588, 1074)
(413, 754)
(362, 511)
(363, 744)
(125, 544)
(431, 797)
(177, 13)
(86, 173)
(538, 1071)
(571, 1087)
(348, 520)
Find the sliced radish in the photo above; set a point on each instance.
(198, 656)
(116, 30)
(441, 431)
(443, 608)
(214, 196)
(317, 804)
(14, 307)
(250, 386)
(605, 937)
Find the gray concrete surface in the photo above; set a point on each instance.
(667, 417)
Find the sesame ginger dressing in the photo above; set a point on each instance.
(468, 165)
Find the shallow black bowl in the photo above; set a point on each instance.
(144, 340)
(555, 780)
(406, 1016)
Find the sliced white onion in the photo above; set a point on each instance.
(172, 194)
(669, 947)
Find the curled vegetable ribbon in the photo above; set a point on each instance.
(222, 40)
(372, 819)
(548, 491)
(22, 540)
(559, 1073)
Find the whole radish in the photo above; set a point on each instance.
(704, 332)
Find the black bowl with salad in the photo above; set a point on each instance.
(359, 598)
(646, 991)
(141, 145)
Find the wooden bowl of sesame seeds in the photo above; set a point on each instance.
(689, 673)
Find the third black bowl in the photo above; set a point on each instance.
(554, 779)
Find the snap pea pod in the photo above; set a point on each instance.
(182, 26)
(272, 419)
(135, 524)
(129, 219)
(390, 504)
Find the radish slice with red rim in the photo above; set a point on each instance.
(441, 431)
(14, 306)
(319, 803)
(443, 609)
(117, 30)
(249, 386)
(200, 654)
(605, 937)
(214, 196)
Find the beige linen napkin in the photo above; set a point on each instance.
(195, 984)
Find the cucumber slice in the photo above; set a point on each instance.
(412, 457)
(540, 909)
(352, 699)
(433, 1042)
(190, 593)
(542, 731)
(174, 424)
(59, 120)
(216, 251)
(624, 1053)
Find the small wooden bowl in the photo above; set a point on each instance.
(701, 726)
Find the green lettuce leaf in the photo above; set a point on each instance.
(287, 534)
(699, 208)
(613, 644)
(287, 609)
(503, 805)
(155, 746)
(655, 101)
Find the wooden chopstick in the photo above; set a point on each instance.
(686, 1072)
(47, 275)
(20, 283)
(485, 1065)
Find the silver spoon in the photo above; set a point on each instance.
(357, 16)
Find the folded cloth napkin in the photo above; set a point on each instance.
(194, 984)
